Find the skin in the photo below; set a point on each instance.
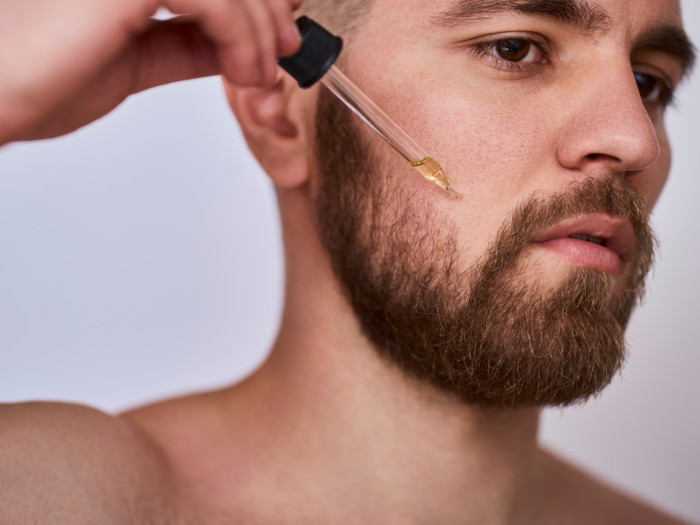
(326, 431)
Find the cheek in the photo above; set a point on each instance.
(494, 153)
(492, 150)
(491, 139)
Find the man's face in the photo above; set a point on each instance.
(548, 117)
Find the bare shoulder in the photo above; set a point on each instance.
(63, 463)
(594, 501)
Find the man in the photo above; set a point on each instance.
(420, 334)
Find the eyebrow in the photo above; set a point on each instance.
(576, 13)
(671, 40)
(580, 14)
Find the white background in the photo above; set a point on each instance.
(140, 258)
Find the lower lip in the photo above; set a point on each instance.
(585, 253)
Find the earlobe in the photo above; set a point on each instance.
(274, 128)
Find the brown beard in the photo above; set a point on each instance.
(482, 334)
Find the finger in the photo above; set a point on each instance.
(288, 37)
(171, 51)
(266, 37)
(245, 32)
(230, 27)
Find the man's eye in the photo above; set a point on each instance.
(513, 49)
(653, 89)
(512, 54)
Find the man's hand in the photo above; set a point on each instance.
(65, 63)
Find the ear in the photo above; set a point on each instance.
(277, 123)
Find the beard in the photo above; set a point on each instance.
(483, 334)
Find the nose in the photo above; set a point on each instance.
(607, 128)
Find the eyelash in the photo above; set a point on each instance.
(487, 50)
(666, 96)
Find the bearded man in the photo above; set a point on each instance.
(421, 335)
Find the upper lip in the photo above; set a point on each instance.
(617, 232)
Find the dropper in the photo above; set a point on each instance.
(314, 62)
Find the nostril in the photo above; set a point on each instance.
(601, 156)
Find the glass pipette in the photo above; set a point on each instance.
(314, 62)
(354, 98)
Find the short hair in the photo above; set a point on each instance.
(342, 17)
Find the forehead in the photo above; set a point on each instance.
(630, 15)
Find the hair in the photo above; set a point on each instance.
(342, 17)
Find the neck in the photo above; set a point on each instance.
(352, 431)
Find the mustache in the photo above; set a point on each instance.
(612, 196)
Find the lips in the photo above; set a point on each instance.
(595, 240)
